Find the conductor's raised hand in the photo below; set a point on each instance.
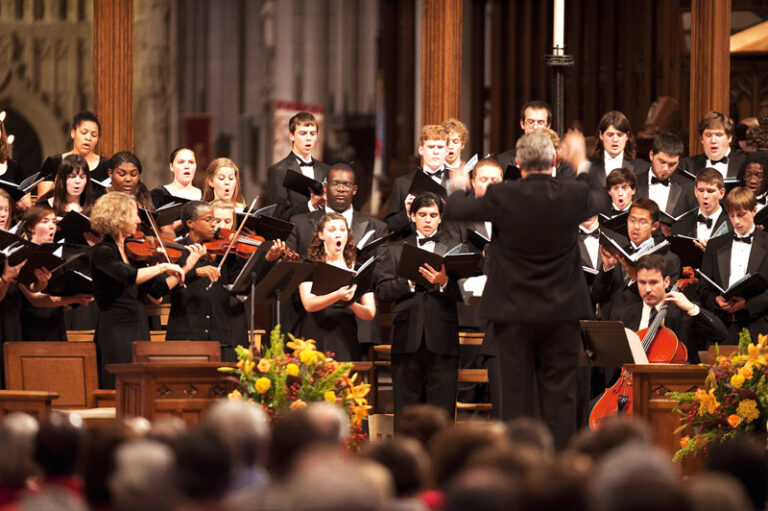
(574, 150)
(434, 276)
(407, 203)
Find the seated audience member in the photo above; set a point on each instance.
(202, 472)
(57, 452)
(711, 491)
(525, 431)
(481, 489)
(709, 221)
(615, 147)
(614, 432)
(142, 479)
(754, 176)
(433, 143)
(422, 422)
(745, 460)
(451, 448)
(99, 447)
(17, 446)
(716, 132)
(407, 462)
(729, 258)
(695, 327)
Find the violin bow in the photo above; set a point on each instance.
(164, 250)
(236, 236)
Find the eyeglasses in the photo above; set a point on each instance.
(642, 222)
(533, 123)
(341, 186)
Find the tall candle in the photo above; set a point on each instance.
(558, 37)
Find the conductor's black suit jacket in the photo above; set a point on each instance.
(536, 274)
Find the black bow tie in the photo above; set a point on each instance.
(704, 220)
(744, 239)
(762, 200)
(594, 234)
(632, 250)
(724, 159)
(303, 163)
(655, 180)
(427, 239)
(438, 173)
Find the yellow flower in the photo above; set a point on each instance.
(684, 441)
(265, 365)
(262, 385)
(734, 420)
(235, 395)
(308, 357)
(737, 380)
(357, 393)
(292, 370)
(746, 372)
(747, 410)
(248, 367)
(359, 413)
(707, 401)
(297, 405)
(330, 396)
(239, 365)
(754, 357)
(301, 344)
(762, 340)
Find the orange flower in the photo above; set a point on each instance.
(734, 420)
(707, 401)
(684, 441)
(297, 405)
(264, 365)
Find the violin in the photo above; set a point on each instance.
(661, 346)
(148, 248)
(243, 247)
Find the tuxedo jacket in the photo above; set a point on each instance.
(696, 332)
(693, 164)
(681, 197)
(536, 273)
(396, 219)
(289, 202)
(688, 225)
(717, 266)
(426, 313)
(597, 169)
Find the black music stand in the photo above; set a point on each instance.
(603, 344)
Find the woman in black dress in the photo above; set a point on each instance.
(328, 319)
(122, 317)
(85, 135)
(183, 166)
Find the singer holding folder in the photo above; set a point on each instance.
(329, 318)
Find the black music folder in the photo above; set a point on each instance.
(456, 264)
(73, 226)
(302, 184)
(268, 227)
(746, 287)
(686, 250)
(45, 257)
(616, 223)
(327, 278)
(423, 183)
(17, 191)
(366, 243)
(69, 283)
(667, 219)
(15, 248)
(616, 250)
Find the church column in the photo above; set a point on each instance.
(113, 74)
(710, 62)
(441, 60)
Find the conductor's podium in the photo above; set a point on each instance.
(650, 385)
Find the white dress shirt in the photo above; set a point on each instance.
(347, 214)
(612, 163)
(702, 231)
(646, 315)
(720, 167)
(739, 259)
(658, 193)
(592, 245)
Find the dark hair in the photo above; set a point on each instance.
(757, 158)
(182, 148)
(425, 200)
(405, 459)
(653, 262)
(648, 205)
(33, 216)
(422, 422)
(620, 122)
(712, 176)
(301, 119)
(619, 177)
(124, 157)
(714, 120)
(668, 143)
(191, 211)
(342, 167)
(536, 105)
(203, 464)
(316, 250)
(70, 164)
(746, 461)
(57, 447)
(740, 199)
(85, 116)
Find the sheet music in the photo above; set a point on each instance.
(365, 239)
(636, 347)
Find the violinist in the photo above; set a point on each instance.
(122, 318)
(695, 327)
(200, 311)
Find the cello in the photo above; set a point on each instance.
(661, 346)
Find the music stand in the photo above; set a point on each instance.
(606, 344)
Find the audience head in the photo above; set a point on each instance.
(753, 175)
(532, 433)
(716, 131)
(85, 133)
(433, 146)
(223, 182)
(643, 219)
(458, 134)
(58, 443)
(421, 422)
(741, 206)
(712, 491)
(709, 190)
(665, 155)
(183, 165)
(303, 129)
(142, 479)
(203, 465)
(613, 433)
(244, 427)
(18, 433)
(534, 152)
(621, 185)
(332, 239)
(535, 115)
(98, 455)
(427, 213)
(481, 489)
(340, 187)
(745, 460)
(406, 460)
(614, 136)
(486, 172)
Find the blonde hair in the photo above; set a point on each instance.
(224, 204)
(110, 212)
(453, 125)
(211, 171)
(7, 197)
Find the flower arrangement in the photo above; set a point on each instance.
(734, 399)
(280, 380)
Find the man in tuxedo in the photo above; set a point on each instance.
(621, 185)
(716, 131)
(615, 147)
(340, 188)
(533, 116)
(729, 258)
(425, 333)
(615, 284)
(458, 135)
(536, 292)
(433, 147)
(303, 134)
(672, 192)
(709, 220)
(693, 326)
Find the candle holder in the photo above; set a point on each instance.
(558, 62)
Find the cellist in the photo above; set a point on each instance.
(694, 326)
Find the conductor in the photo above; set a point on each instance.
(536, 291)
